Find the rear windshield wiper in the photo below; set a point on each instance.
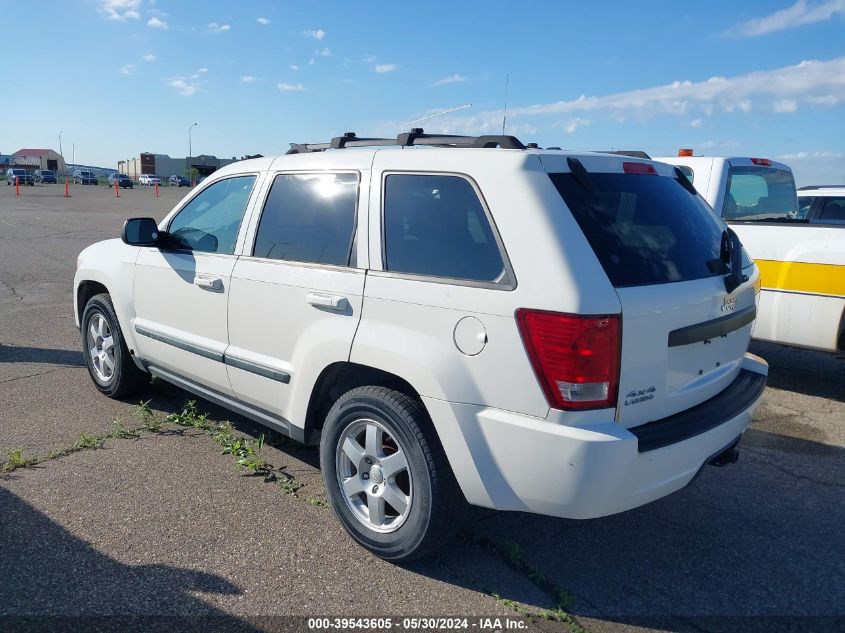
(731, 253)
(681, 177)
(581, 175)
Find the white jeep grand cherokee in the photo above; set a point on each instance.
(472, 321)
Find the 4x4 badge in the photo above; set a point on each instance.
(641, 395)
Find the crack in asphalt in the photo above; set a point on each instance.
(791, 473)
(43, 373)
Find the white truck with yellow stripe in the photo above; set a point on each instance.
(799, 251)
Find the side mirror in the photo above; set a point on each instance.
(140, 232)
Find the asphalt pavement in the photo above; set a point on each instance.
(162, 530)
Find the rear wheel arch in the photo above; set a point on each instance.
(339, 378)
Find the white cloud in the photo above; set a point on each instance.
(820, 83)
(451, 79)
(783, 106)
(570, 127)
(155, 23)
(264, 21)
(120, 10)
(809, 155)
(799, 14)
(184, 87)
(149, 57)
(248, 79)
(317, 34)
(127, 69)
(213, 27)
(369, 59)
(294, 67)
(324, 53)
(202, 71)
(312, 61)
(385, 68)
(290, 87)
(696, 123)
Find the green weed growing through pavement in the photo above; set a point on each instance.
(15, 460)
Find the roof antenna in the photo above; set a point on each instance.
(431, 116)
(505, 116)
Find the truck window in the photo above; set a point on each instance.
(760, 194)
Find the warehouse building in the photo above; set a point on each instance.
(32, 159)
(164, 166)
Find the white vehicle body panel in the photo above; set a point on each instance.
(802, 266)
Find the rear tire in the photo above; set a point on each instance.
(107, 357)
(390, 434)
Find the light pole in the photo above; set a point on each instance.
(188, 160)
(60, 150)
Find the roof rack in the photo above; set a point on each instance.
(821, 187)
(415, 137)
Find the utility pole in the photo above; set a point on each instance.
(62, 155)
(190, 153)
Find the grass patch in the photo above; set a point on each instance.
(88, 441)
(15, 460)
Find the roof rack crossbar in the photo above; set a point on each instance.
(406, 139)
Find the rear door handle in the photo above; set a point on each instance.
(215, 284)
(331, 302)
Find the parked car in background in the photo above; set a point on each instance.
(21, 175)
(822, 204)
(84, 177)
(796, 239)
(539, 331)
(47, 176)
(149, 179)
(179, 181)
(123, 181)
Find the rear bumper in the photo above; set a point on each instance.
(509, 461)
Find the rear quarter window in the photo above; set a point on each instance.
(645, 229)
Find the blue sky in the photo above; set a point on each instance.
(119, 77)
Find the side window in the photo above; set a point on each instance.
(804, 204)
(833, 211)
(435, 225)
(209, 223)
(309, 218)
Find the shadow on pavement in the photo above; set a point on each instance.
(756, 546)
(805, 371)
(17, 354)
(53, 581)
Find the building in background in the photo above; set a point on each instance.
(32, 159)
(164, 166)
(4, 162)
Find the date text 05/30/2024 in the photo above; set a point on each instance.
(419, 623)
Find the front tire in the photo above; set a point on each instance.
(386, 475)
(107, 357)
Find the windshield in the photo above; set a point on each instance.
(645, 229)
(761, 194)
(46, 172)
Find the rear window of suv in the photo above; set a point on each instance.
(644, 229)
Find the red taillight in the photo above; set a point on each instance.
(766, 162)
(576, 358)
(638, 168)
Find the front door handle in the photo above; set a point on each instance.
(215, 284)
(331, 302)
